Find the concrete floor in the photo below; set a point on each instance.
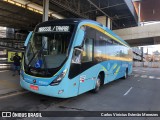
(8, 83)
(140, 92)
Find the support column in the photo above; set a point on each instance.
(102, 20)
(45, 18)
(45, 10)
(139, 14)
(142, 54)
(105, 21)
(109, 23)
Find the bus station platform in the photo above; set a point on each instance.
(8, 83)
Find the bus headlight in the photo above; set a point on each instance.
(59, 78)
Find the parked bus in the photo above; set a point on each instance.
(68, 57)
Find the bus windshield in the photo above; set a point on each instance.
(47, 49)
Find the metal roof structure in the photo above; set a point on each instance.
(25, 14)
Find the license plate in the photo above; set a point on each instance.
(33, 87)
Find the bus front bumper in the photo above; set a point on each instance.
(53, 91)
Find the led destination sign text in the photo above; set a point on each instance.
(54, 29)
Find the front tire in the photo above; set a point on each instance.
(125, 74)
(98, 84)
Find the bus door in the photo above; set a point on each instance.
(82, 61)
(86, 81)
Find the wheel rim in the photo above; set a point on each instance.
(98, 82)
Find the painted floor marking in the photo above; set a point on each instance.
(158, 78)
(144, 76)
(4, 71)
(13, 94)
(128, 91)
(136, 75)
(151, 77)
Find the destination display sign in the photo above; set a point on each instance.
(54, 29)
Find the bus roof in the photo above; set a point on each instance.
(77, 21)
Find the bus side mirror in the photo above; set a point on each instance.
(27, 39)
(76, 58)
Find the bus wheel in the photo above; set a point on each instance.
(98, 84)
(126, 74)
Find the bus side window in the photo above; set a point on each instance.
(87, 54)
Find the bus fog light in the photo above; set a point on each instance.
(60, 91)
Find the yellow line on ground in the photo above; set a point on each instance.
(13, 94)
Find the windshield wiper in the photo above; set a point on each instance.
(40, 52)
(36, 53)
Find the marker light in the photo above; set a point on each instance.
(59, 78)
(60, 91)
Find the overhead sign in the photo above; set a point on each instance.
(54, 29)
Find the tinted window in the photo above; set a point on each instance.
(87, 54)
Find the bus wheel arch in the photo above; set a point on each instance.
(102, 75)
(126, 73)
(99, 82)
